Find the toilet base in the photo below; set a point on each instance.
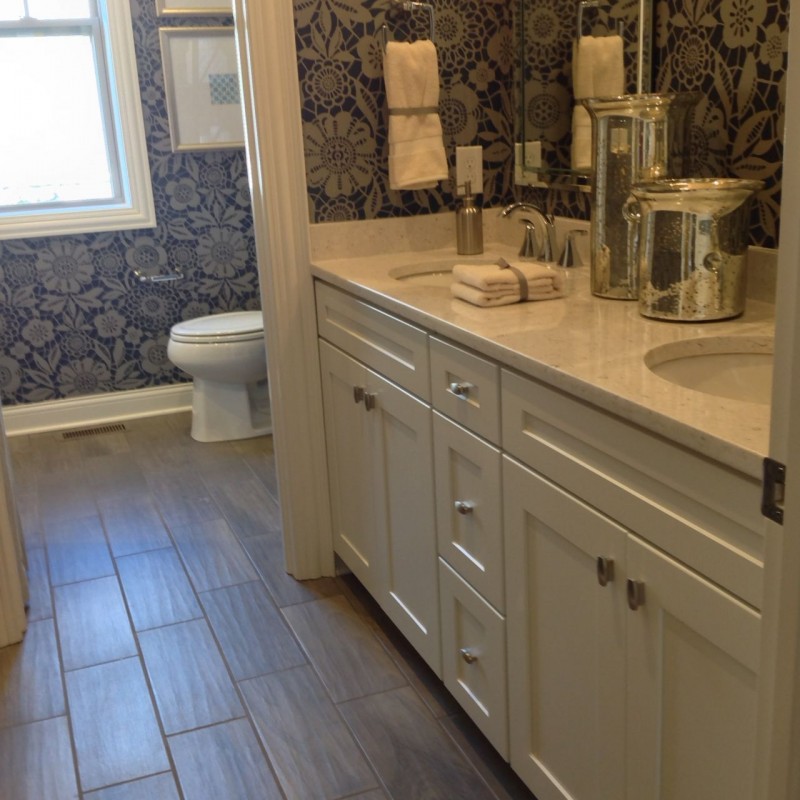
(228, 411)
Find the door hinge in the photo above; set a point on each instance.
(774, 490)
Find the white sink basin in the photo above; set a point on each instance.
(437, 273)
(736, 367)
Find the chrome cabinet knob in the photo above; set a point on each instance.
(358, 394)
(468, 655)
(460, 389)
(369, 400)
(462, 507)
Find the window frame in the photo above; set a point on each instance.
(118, 81)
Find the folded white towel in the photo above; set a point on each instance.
(489, 299)
(493, 277)
(494, 285)
(598, 70)
(417, 159)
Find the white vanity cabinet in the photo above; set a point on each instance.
(380, 462)
(632, 673)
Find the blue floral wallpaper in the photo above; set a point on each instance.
(344, 102)
(73, 318)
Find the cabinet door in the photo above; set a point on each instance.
(566, 641)
(692, 665)
(350, 471)
(469, 518)
(402, 477)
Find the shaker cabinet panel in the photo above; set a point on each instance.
(474, 656)
(566, 641)
(692, 671)
(466, 387)
(469, 518)
(347, 434)
(402, 482)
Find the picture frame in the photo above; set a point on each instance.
(193, 8)
(201, 83)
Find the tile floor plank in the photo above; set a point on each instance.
(299, 726)
(156, 787)
(213, 556)
(36, 762)
(30, 677)
(132, 525)
(117, 737)
(223, 761)
(40, 602)
(349, 659)
(157, 589)
(77, 550)
(252, 633)
(408, 749)
(266, 553)
(181, 498)
(246, 504)
(189, 679)
(93, 624)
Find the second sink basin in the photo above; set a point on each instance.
(736, 367)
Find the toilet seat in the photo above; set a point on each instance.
(234, 326)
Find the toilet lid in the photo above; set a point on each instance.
(233, 326)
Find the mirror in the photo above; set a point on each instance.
(548, 31)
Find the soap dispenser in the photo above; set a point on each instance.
(469, 225)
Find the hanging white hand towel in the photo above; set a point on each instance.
(417, 158)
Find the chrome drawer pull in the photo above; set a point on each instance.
(605, 570)
(369, 400)
(468, 656)
(460, 389)
(462, 507)
(358, 393)
(635, 594)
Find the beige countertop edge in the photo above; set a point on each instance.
(586, 346)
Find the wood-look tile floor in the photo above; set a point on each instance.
(170, 656)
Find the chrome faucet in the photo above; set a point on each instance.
(535, 218)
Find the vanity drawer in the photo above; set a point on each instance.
(474, 656)
(469, 520)
(466, 387)
(389, 345)
(702, 512)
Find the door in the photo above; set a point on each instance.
(565, 578)
(12, 577)
(693, 652)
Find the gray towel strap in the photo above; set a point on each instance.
(520, 275)
(413, 112)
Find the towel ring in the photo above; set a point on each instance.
(582, 6)
(411, 6)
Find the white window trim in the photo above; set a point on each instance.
(137, 209)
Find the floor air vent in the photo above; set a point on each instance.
(93, 431)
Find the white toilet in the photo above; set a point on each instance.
(226, 356)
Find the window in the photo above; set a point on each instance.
(73, 157)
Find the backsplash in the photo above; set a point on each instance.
(344, 102)
(73, 318)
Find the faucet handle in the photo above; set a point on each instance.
(530, 244)
(570, 257)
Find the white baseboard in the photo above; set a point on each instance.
(96, 409)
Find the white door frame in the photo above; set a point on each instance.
(778, 763)
(271, 94)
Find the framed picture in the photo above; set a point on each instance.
(185, 8)
(201, 81)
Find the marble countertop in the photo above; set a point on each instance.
(587, 346)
